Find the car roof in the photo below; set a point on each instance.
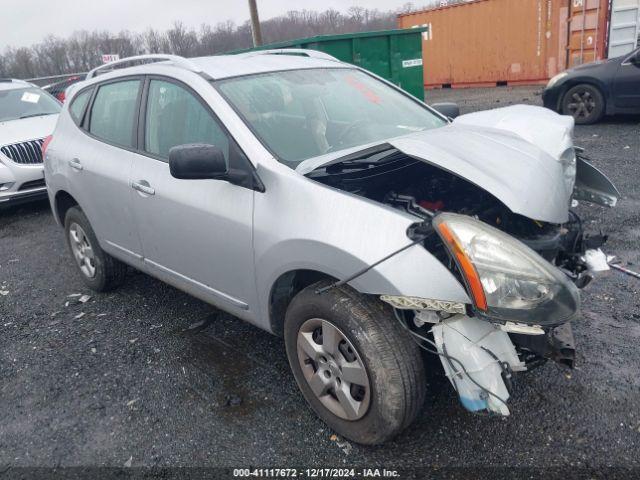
(221, 66)
(226, 66)
(12, 84)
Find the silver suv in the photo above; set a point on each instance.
(323, 204)
(27, 116)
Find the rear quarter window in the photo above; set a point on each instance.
(77, 107)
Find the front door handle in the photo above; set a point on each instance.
(144, 187)
(75, 164)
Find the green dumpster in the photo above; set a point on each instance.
(395, 55)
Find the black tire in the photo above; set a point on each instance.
(109, 272)
(392, 360)
(584, 103)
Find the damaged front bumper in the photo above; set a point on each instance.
(479, 358)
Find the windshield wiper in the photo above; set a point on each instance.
(36, 115)
(371, 157)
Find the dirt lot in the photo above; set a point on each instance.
(151, 376)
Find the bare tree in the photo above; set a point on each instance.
(83, 50)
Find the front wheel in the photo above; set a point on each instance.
(356, 366)
(584, 103)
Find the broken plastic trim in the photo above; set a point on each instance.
(592, 185)
(488, 356)
(415, 303)
(459, 370)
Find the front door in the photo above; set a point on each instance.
(196, 234)
(626, 87)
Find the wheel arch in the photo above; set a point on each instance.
(414, 272)
(63, 201)
(285, 288)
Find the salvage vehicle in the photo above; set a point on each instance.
(27, 116)
(323, 204)
(589, 92)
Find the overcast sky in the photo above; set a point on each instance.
(24, 22)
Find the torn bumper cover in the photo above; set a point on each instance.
(479, 358)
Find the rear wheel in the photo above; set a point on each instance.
(584, 103)
(99, 271)
(355, 365)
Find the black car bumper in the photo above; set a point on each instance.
(23, 197)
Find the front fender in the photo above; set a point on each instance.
(309, 226)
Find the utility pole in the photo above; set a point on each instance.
(255, 24)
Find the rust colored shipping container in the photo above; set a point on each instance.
(588, 31)
(499, 42)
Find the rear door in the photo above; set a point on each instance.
(100, 164)
(196, 234)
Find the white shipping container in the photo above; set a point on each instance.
(624, 30)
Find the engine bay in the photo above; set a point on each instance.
(388, 176)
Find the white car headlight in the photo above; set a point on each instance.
(506, 279)
(556, 79)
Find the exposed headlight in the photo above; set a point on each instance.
(569, 162)
(556, 79)
(506, 279)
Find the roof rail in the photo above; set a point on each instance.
(303, 52)
(173, 59)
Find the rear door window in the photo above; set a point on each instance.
(175, 116)
(113, 112)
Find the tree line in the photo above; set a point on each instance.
(83, 50)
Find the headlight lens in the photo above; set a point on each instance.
(556, 79)
(569, 162)
(506, 279)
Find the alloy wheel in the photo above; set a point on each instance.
(582, 104)
(82, 250)
(333, 369)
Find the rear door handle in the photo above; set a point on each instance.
(75, 164)
(144, 187)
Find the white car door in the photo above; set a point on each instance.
(196, 234)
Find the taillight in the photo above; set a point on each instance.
(61, 96)
(45, 144)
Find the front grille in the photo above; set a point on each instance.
(25, 153)
(32, 184)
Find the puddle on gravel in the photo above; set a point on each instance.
(230, 369)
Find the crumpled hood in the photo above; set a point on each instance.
(15, 131)
(546, 129)
(528, 180)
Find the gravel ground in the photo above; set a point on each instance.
(149, 376)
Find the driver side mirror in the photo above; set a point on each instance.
(448, 109)
(197, 161)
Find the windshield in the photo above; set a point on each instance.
(26, 102)
(302, 114)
